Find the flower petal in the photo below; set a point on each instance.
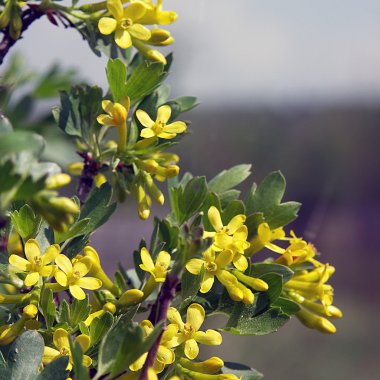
(176, 127)
(222, 240)
(163, 114)
(105, 120)
(194, 266)
(224, 258)
(139, 31)
(235, 223)
(19, 262)
(138, 364)
(240, 262)
(195, 315)
(146, 259)
(47, 270)
(61, 338)
(191, 349)
(123, 38)
(144, 119)
(134, 11)
(91, 283)
(86, 361)
(163, 258)
(50, 254)
(64, 263)
(32, 249)
(50, 354)
(84, 341)
(214, 218)
(77, 292)
(61, 278)
(165, 355)
(116, 8)
(147, 133)
(207, 283)
(166, 136)
(175, 317)
(107, 25)
(264, 233)
(241, 233)
(31, 278)
(82, 267)
(210, 337)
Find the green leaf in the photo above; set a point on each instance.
(77, 229)
(55, 370)
(190, 286)
(80, 371)
(145, 78)
(267, 199)
(241, 371)
(98, 208)
(287, 306)
(100, 326)
(25, 356)
(233, 208)
(25, 222)
(73, 314)
(228, 179)
(259, 269)
(192, 198)
(47, 306)
(21, 141)
(186, 103)
(117, 77)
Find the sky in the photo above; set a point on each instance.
(237, 52)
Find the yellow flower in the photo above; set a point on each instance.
(159, 127)
(116, 116)
(316, 322)
(155, 15)
(124, 23)
(157, 270)
(209, 366)
(36, 264)
(72, 276)
(165, 354)
(264, 238)
(8, 333)
(61, 342)
(108, 306)
(231, 237)
(189, 333)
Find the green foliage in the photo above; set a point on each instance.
(72, 314)
(241, 371)
(25, 222)
(47, 306)
(267, 199)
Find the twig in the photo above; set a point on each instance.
(159, 313)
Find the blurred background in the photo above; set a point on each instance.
(291, 85)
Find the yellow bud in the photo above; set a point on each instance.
(254, 283)
(99, 179)
(235, 293)
(8, 333)
(334, 312)
(110, 307)
(75, 168)
(154, 191)
(209, 366)
(112, 144)
(316, 322)
(131, 297)
(30, 311)
(64, 204)
(152, 374)
(14, 245)
(119, 114)
(57, 180)
(150, 166)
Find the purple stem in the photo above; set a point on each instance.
(159, 313)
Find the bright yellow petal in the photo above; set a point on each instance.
(31, 278)
(123, 38)
(61, 338)
(194, 266)
(82, 267)
(64, 263)
(84, 341)
(60, 277)
(77, 292)
(107, 106)
(163, 258)
(176, 127)
(165, 355)
(86, 361)
(105, 120)
(207, 283)
(210, 337)
(116, 8)
(195, 315)
(214, 218)
(50, 254)
(264, 233)
(241, 233)
(175, 317)
(32, 249)
(138, 364)
(222, 241)
(163, 114)
(134, 11)
(146, 259)
(47, 270)
(50, 354)
(226, 278)
(107, 25)
(144, 119)
(166, 136)
(91, 283)
(19, 262)
(235, 223)
(191, 349)
(224, 258)
(240, 262)
(147, 133)
(139, 31)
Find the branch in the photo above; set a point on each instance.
(30, 15)
(159, 313)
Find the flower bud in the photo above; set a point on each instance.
(131, 297)
(316, 322)
(252, 282)
(75, 168)
(57, 180)
(209, 366)
(30, 311)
